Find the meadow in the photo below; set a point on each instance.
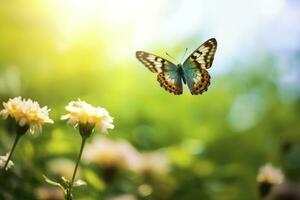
(162, 146)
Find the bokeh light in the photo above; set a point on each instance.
(163, 146)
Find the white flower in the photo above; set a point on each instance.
(154, 163)
(269, 174)
(111, 153)
(122, 155)
(82, 113)
(3, 160)
(26, 113)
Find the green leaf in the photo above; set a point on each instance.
(66, 181)
(79, 183)
(93, 180)
(54, 183)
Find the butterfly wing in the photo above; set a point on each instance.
(168, 73)
(194, 68)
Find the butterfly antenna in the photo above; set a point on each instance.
(186, 49)
(171, 57)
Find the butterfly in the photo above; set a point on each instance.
(192, 72)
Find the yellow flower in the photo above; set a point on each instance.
(26, 113)
(269, 174)
(3, 160)
(82, 113)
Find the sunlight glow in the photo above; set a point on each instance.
(127, 26)
(124, 26)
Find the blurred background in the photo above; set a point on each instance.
(163, 147)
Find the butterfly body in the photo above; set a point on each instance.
(192, 72)
(181, 73)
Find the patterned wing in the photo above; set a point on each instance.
(168, 73)
(194, 68)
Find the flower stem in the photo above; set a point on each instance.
(75, 170)
(12, 150)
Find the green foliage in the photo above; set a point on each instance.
(215, 142)
(66, 185)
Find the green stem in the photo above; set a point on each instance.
(12, 150)
(75, 170)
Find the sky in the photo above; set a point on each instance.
(242, 28)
